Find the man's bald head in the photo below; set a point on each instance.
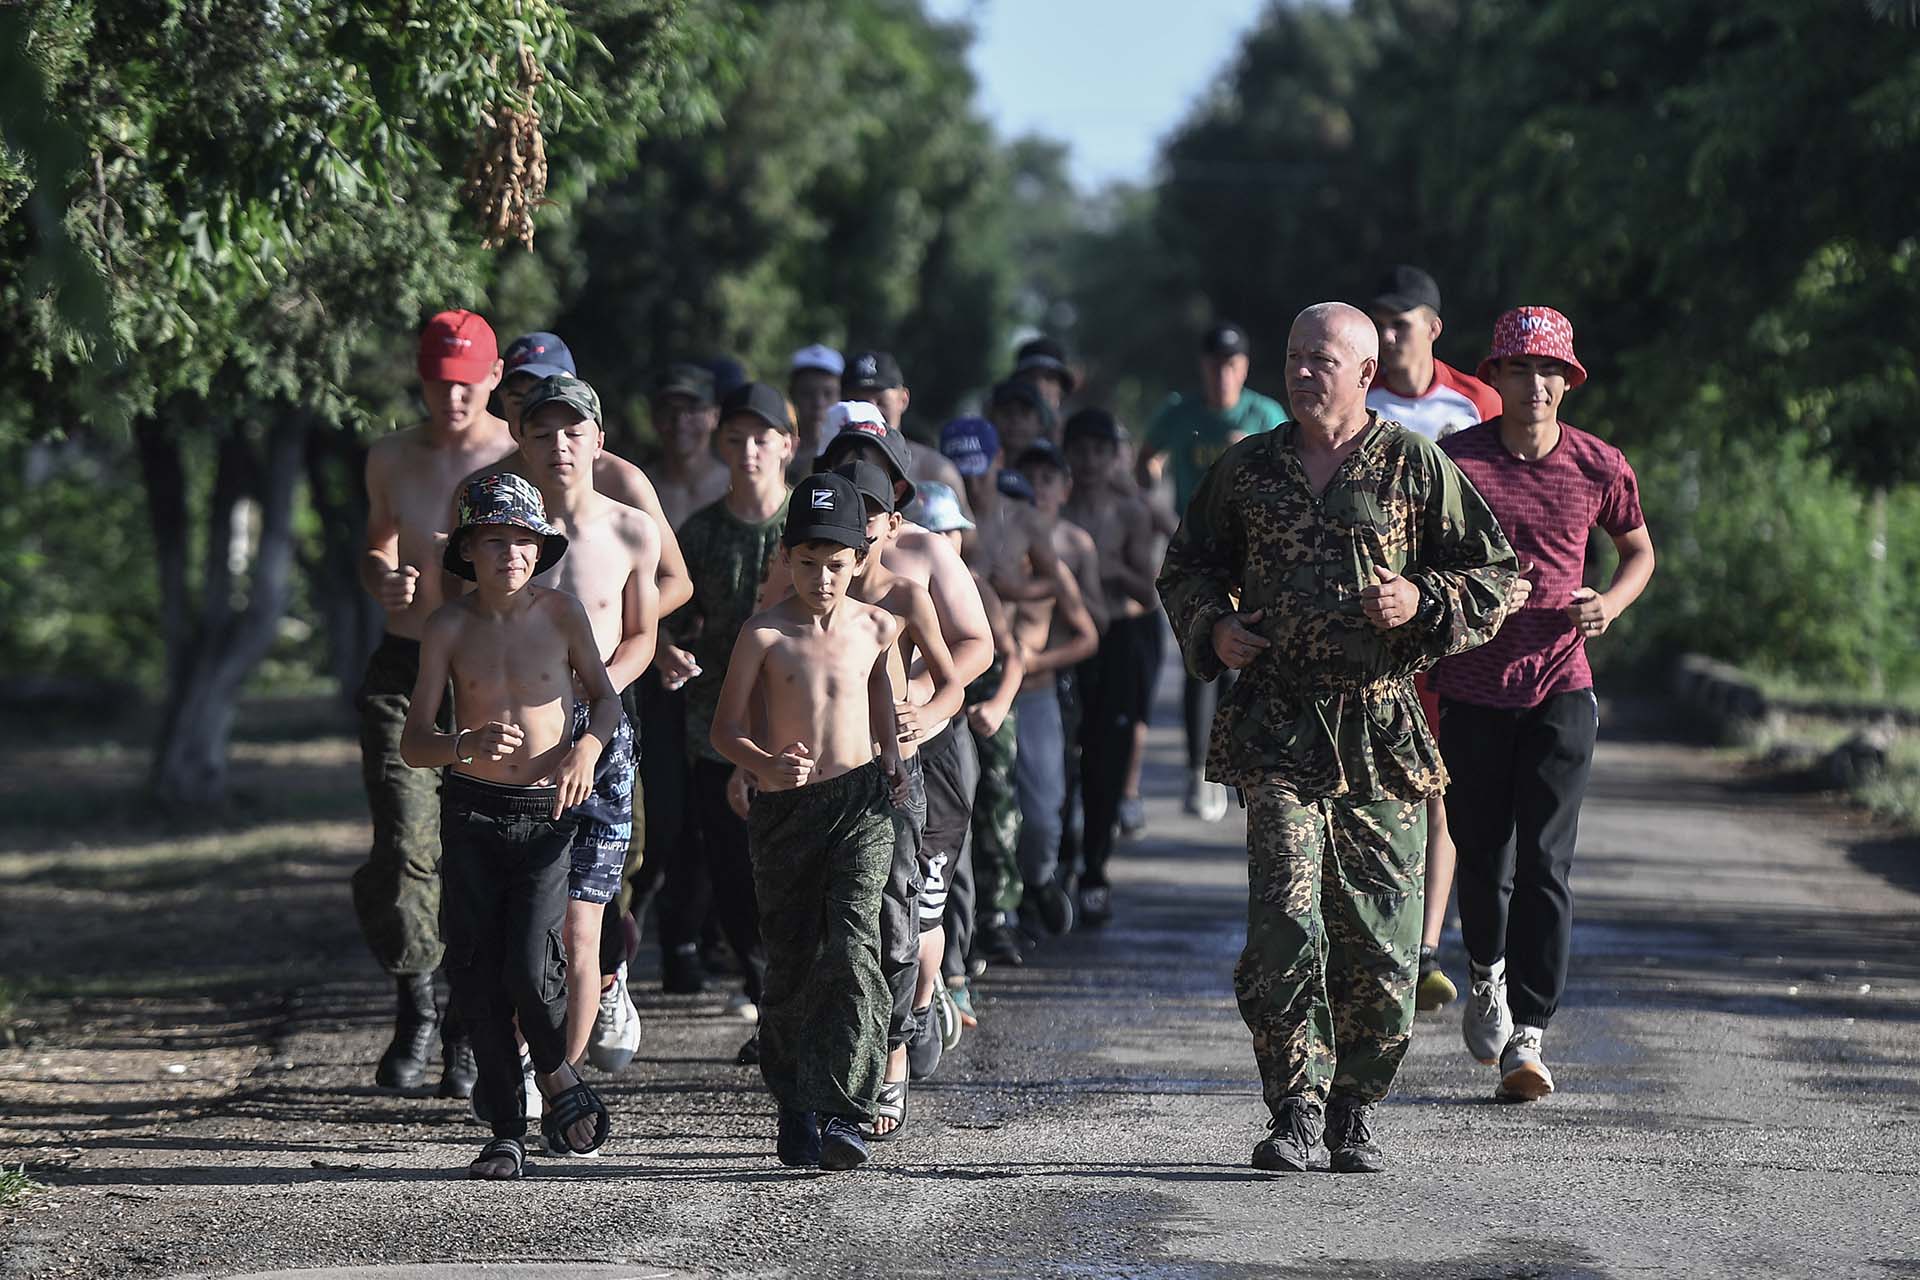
(1344, 324)
(1332, 353)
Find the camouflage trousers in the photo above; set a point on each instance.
(1335, 893)
(996, 823)
(396, 894)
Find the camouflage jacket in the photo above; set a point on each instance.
(1329, 709)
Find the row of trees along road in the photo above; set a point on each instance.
(224, 222)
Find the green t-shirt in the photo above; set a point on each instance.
(727, 559)
(1192, 435)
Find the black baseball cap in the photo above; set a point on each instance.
(826, 507)
(1095, 424)
(891, 444)
(1041, 453)
(1017, 391)
(684, 379)
(870, 481)
(1044, 355)
(1224, 339)
(872, 371)
(761, 401)
(1403, 288)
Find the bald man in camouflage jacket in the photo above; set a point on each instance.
(1327, 561)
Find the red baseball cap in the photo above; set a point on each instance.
(458, 346)
(1533, 331)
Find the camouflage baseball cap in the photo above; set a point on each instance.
(560, 388)
(504, 499)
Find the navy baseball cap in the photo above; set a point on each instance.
(825, 507)
(1045, 356)
(970, 445)
(1014, 485)
(540, 354)
(1094, 424)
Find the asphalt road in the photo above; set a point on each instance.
(1739, 1062)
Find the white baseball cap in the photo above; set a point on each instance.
(818, 356)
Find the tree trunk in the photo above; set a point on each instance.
(240, 608)
(336, 486)
(1878, 607)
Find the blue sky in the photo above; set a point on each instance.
(1109, 77)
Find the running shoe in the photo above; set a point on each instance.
(616, 1028)
(1213, 802)
(1523, 1076)
(740, 1005)
(1485, 1024)
(1133, 818)
(1096, 905)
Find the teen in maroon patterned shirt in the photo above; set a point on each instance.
(1517, 715)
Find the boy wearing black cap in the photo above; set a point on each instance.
(813, 671)
(913, 933)
(1042, 364)
(519, 766)
(685, 416)
(1116, 684)
(1020, 416)
(1191, 431)
(874, 376)
(729, 546)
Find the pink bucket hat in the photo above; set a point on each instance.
(1533, 331)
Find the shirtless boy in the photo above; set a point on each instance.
(913, 928)
(1058, 632)
(813, 385)
(1116, 683)
(875, 377)
(821, 829)
(412, 478)
(519, 764)
(947, 756)
(612, 551)
(995, 823)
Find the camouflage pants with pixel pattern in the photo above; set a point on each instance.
(1335, 893)
(996, 823)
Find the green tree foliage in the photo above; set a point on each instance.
(1721, 198)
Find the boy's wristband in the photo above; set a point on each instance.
(458, 758)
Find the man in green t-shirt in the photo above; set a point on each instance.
(1190, 431)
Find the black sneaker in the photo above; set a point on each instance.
(1350, 1144)
(799, 1143)
(998, 942)
(841, 1146)
(749, 1055)
(1096, 906)
(404, 1064)
(1288, 1146)
(925, 1045)
(681, 973)
(1053, 906)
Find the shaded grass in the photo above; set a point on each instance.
(1895, 795)
(1793, 688)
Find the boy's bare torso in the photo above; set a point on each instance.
(1115, 526)
(814, 682)
(416, 483)
(897, 596)
(605, 550)
(514, 669)
(681, 496)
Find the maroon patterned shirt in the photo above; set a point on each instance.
(1547, 508)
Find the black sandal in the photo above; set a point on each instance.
(511, 1147)
(566, 1109)
(891, 1103)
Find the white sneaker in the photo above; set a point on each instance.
(741, 1007)
(1523, 1076)
(1213, 802)
(1485, 1024)
(616, 1029)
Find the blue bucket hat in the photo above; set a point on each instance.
(503, 499)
